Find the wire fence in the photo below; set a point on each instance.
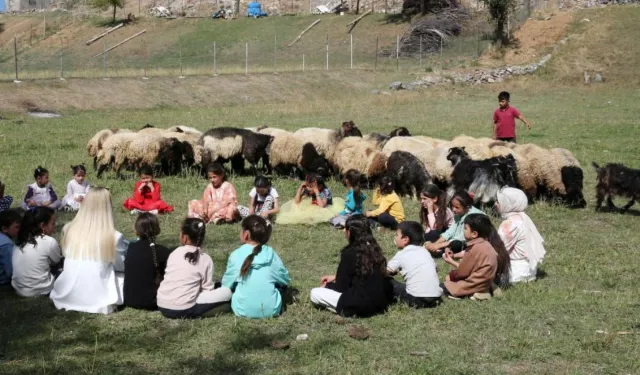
(187, 55)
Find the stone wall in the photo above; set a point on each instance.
(23, 5)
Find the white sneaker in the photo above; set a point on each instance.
(481, 296)
(135, 211)
(153, 212)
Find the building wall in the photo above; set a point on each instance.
(22, 5)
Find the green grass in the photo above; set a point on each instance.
(547, 327)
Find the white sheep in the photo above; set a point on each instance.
(95, 143)
(114, 150)
(185, 129)
(478, 149)
(359, 154)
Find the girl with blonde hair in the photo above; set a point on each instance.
(94, 251)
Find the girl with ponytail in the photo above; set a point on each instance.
(187, 290)
(256, 273)
(354, 201)
(144, 265)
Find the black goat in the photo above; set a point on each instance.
(408, 173)
(482, 177)
(616, 179)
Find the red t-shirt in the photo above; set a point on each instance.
(505, 120)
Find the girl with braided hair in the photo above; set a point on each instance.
(361, 286)
(187, 290)
(256, 273)
(144, 265)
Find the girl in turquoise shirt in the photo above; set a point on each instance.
(354, 201)
(255, 273)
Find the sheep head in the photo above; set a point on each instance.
(400, 132)
(572, 178)
(457, 154)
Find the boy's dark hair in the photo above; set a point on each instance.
(413, 230)
(482, 225)
(9, 217)
(30, 225)
(433, 191)
(353, 177)
(464, 198)
(145, 169)
(386, 184)
(504, 96)
(369, 256)
(148, 228)
(194, 229)
(216, 168)
(78, 168)
(260, 232)
(39, 172)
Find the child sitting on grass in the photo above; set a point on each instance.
(146, 195)
(417, 268)
(390, 211)
(434, 213)
(35, 254)
(144, 265)
(77, 188)
(360, 287)
(219, 202)
(256, 273)
(41, 192)
(5, 200)
(355, 199)
(486, 260)
(264, 200)
(9, 228)
(453, 238)
(313, 203)
(188, 291)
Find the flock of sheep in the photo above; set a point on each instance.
(480, 165)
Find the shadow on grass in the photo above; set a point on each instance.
(35, 337)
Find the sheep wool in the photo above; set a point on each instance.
(114, 150)
(477, 149)
(357, 153)
(152, 131)
(526, 177)
(185, 130)
(324, 140)
(144, 149)
(545, 167)
(224, 148)
(432, 141)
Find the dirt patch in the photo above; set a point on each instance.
(534, 39)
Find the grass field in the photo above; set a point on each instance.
(564, 323)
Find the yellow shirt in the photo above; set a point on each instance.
(388, 203)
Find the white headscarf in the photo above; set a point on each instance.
(512, 202)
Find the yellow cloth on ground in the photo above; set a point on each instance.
(307, 213)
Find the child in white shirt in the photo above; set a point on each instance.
(35, 254)
(41, 192)
(77, 188)
(264, 200)
(417, 267)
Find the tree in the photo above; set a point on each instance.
(499, 11)
(104, 4)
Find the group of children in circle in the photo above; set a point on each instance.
(100, 272)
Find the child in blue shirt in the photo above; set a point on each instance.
(9, 228)
(354, 200)
(255, 273)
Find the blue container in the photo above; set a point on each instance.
(254, 9)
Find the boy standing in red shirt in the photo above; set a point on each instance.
(504, 120)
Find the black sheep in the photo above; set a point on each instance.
(253, 147)
(482, 177)
(572, 178)
(313, 162)
(616, 179)
(408, 173)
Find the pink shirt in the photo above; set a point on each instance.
(431, 218)
(184, 281)
(505, 120)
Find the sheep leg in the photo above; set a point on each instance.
(628, 205)
(101, 170)
(95, 163)
(610, 203)
(600, 194)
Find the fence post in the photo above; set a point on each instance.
(180, 46)
(420, 64)
(144, 47)
(478, 48)
(303, 62)
(275, 53)
(15, 56)
(441, 60)
(215, 73)
(397, 52)
(375, 64)
(351, 46)
(44, 28)
(61, 70)
(104, 58)
(246, 58)
(139, 6)
(327, 67)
